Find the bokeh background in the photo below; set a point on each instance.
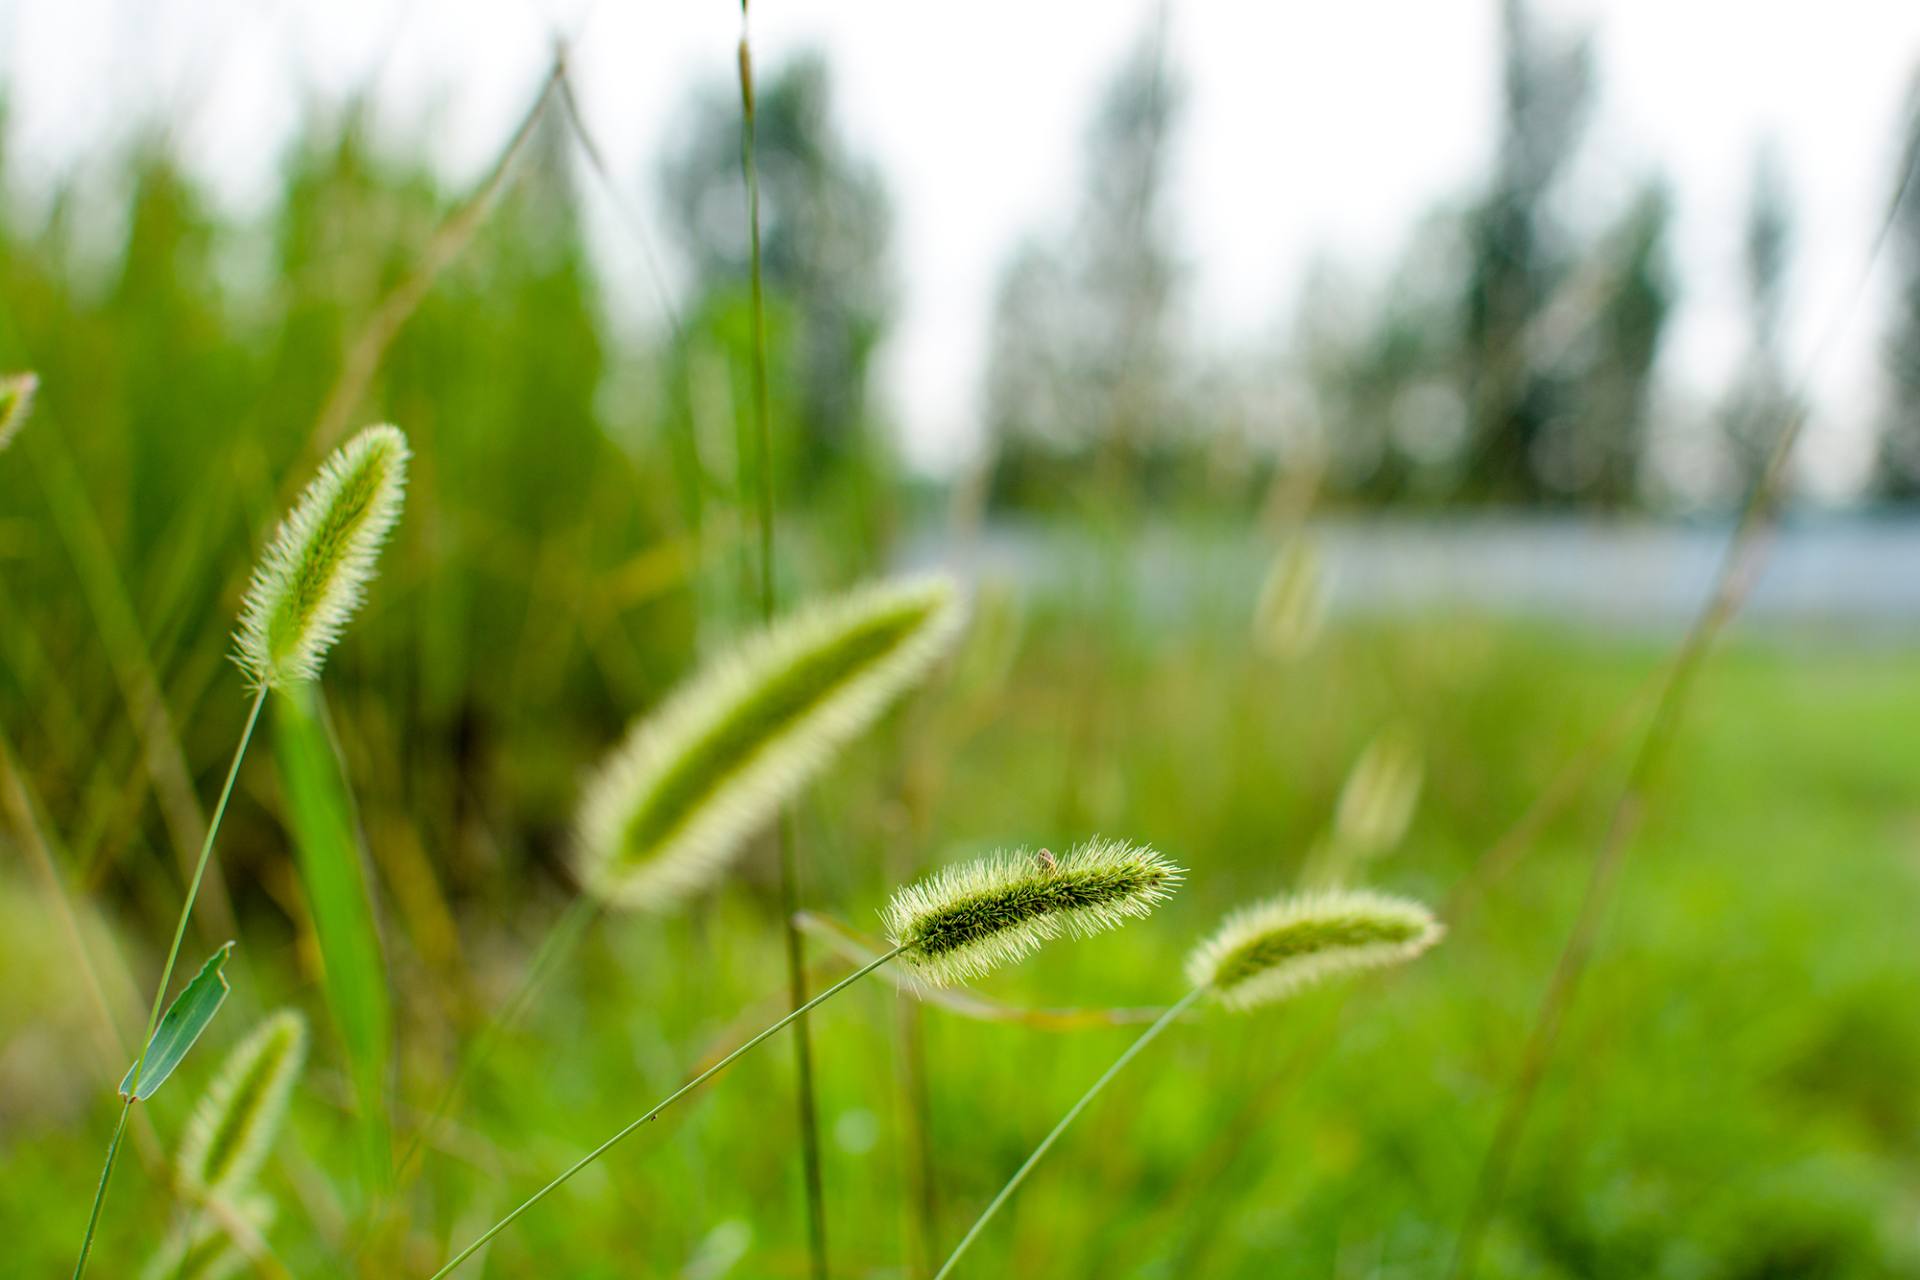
(1342, 418)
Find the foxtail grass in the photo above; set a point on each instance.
(1291, 610)
(1269, 951)
(1027, 909)
(16, 404)
(965, 920)
(303, 590)
(314, 574)
(671, 808)
(1379, 797)
(1258, 955)
(236, 1120)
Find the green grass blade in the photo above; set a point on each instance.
(185, 1019)
(319, 810)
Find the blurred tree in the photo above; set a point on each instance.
(1382, 373)
(1761, 404)
(826, 226)
(1518, 260)
(1614, 379)
(1085, 363)
(1897, 465)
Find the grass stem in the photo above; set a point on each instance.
(805, 1101)
(166, 975)
(1013, 1184)
(593, 1155)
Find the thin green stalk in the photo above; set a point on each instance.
(100, 1192)
(806, 1104)
(566, 932)
(166, 974)
(1146, 1037)
(669, 1100)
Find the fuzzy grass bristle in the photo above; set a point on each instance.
(235, 1121)
(675, 802)
(16, 403)
(1266, 952)
(314, 573)
(964, 920)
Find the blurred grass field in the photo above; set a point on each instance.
(1733, 1097)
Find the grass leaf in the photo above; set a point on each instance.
(182, 1024)
(319, 809)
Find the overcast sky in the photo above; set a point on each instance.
(1311, 129)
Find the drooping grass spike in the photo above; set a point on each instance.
(964, 920)
(672, 806)
(235, 1121)
(1268, 951)
(976, 916)
(315, 571)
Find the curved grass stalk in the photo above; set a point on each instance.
(1073, 1113)
(480, 1241)
(566, 932)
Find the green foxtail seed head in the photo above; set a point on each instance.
(674, 803)
(1267, 952)
(235, 1121)
(1377, 802)
(16, 402)
(1292, 608)
(206, 1251)
(315, 572)
(964, 920)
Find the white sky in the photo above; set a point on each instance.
(1311, 128)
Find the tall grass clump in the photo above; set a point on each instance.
(672, 806)
(304, 588)
(959, 923)
(1260, 955)
(16, 403)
